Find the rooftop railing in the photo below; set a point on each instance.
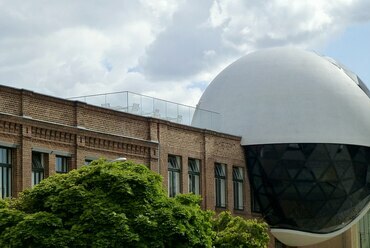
(138, 104)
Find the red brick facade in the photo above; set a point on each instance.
(34, 122)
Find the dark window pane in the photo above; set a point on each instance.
(5, 172)
(61, 164)
(238, 184)
(174, 170)
(220, 185)
(38, 165)
(194, 175)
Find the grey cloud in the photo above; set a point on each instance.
(289, 23)
(186, 47)
(179, 52)
(55, 47)
(27, 17)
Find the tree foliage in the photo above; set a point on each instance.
(233, 231)
(109, 204)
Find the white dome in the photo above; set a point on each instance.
(286, 95)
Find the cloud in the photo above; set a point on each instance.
(185, 47)
(75, 47)
(204, 34)
(166, 48)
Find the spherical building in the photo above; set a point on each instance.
(304, 120)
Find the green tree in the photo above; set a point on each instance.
(238, 232)
(115, 204)
(107, 204)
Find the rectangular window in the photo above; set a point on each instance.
(61, 164)
(220, 182)
(88, 161)
(38, 167)
(194, 175)
(238, 180)
(5, 172)
(174, 170)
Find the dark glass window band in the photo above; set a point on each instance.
(317, 188)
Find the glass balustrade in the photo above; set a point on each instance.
(138, 104)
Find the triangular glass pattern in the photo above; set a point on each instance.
(329, 175)
(280, 172)
(268, 152)
(353, 150)
(306, 175)
(280, 186)
(319, 193)
(264, 201)
(288, 206)
(333, 150)
(294, 155)
(328, 188)
(293, 167)
(344, 169)
(268, 166)
(343, 154)
(257, 182)
(318, 168)
(315, 194)
(280, 149)
(307, 149)
(290, 193)
(256, 168)
(304, 188)
(339, 192)
(359, 157)
(357, 185)
(319, 153)
(360, 170)
(347, 185)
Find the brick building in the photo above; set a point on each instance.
(42, 135)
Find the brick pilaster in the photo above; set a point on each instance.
(26, 157)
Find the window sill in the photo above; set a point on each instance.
(239, 210)
(219, 208)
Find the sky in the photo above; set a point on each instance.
(170, 49)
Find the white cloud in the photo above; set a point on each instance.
(166, 48)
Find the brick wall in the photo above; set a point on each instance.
(111, 121)
(209, 147)
(10, 101)
(35, 122)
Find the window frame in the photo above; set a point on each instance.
(6, 166)
(220, 185)
(38, 172)
(193, 176)
(64, 164)
(174, 175)
(238, 185)
(88, 161)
